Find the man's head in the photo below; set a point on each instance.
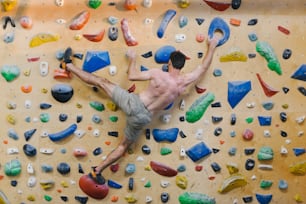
(177, 59)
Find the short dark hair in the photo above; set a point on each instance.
(177, 59)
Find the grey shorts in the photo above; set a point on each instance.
(137, 115)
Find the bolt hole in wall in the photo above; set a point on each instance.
(240, 129)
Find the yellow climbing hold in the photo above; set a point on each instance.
(64, 184)
(181, 181)
(298, 198)
(111, 106)
(232, 168)
(234, 55)
(31, 198)
(42, 38)
(298, 168)
(184, 3)
(9, 5)
(234, 181)
(130, 199)
(11, 119)
(3, 198)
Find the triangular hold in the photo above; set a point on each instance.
(300, 73)
(269, 91)
(237, 90)
(96, 60)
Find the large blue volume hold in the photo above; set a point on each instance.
(217, 24)
(237, 91)
(63, 134)
(162, 55)
(198, 151)
(96, 60)
(300, 73)
(168, 135)
(165, 21)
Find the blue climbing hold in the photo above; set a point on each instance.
(96, 60)
(264, 199)
(300, 73)
(264, 120)
(217, 24)
(113, 184)
(237, 90)
(58, 136)
(198, 151)
(167, 135)
(299, 151)
(162, 55)
(165, 21)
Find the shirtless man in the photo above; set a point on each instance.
(163, 89)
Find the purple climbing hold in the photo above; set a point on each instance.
(96, 60)
(300, 73)
(162, 55)
(198, 151)
(167, 135)
(237, 90)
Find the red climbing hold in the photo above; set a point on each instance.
(219, 6)
(283, 30)
(269, 91)
(93, 189)
(163, 169)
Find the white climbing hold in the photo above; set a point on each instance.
(149, 199)
(265, 166)
(44, 133)
(288, 141)
(164, 183)
(179, 38)
(283, 150)
(60, 21)
(139, 158)
(300, 119)
(300, 133)
(44, 150)
(182, 152)
(112, 70)
(148, 21)
(96, 132)
(147, 3)
(182, 105)
(44, 68)
(59, 3)
(79, 133)
(30, 168)
(199, 134)
(32, 181)
(250, 105)
(27, 104)
(12, 150)
(267, 133)
(253, 177)
(165, 118)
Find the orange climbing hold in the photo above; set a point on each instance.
(95, 37)
(130, 4)
(80, 20)
(61, 74)
(26, 88)
(200, 37)
(235, 22)
(114, 198)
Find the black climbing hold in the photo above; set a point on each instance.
(63, 117)
(283, 133)
(64, 198)
(113, 33)
(29, 150)
(249, 151)
(78, 56)
(236, 4)
(216, 119)
(218, 131)
(287, 53)
(249, 164)
(81, 171)
(131, 183)
(182, 134)
(200, 55)
(215, 150)
(216, 105)
(97, 151)
(285, 90)
(146, 149)
(7, 20)
(165, 67)
(283, 116)
(44, 106)
(112, 3)
(252, 22)
(164, 197)
(215, 166)
(81, 199)
(63, 168)
(148, 134)
(62, 92)
(14, 183)
(182, 118)
(95, 89)
(247, 199)
(147, 54)
(233, 119)
(200, 21)
(113, 133)
(79, 118)
(251, 55)
(29, 133)
(302, 90)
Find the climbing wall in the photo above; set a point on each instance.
(281, 24)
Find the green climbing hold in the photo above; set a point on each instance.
(265, 50)
(165, 151)
(148, 184)
(265, 184)
(47, 198)
(113, 118)
(97, 105)
(265, 153)
(94, 3)
(195, 198)
(10, 72)
(12, 168)
(44, 117)
(198, 108)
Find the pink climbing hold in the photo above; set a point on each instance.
(129, 39)
(248, 134)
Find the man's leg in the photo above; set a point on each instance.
(115, 155)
